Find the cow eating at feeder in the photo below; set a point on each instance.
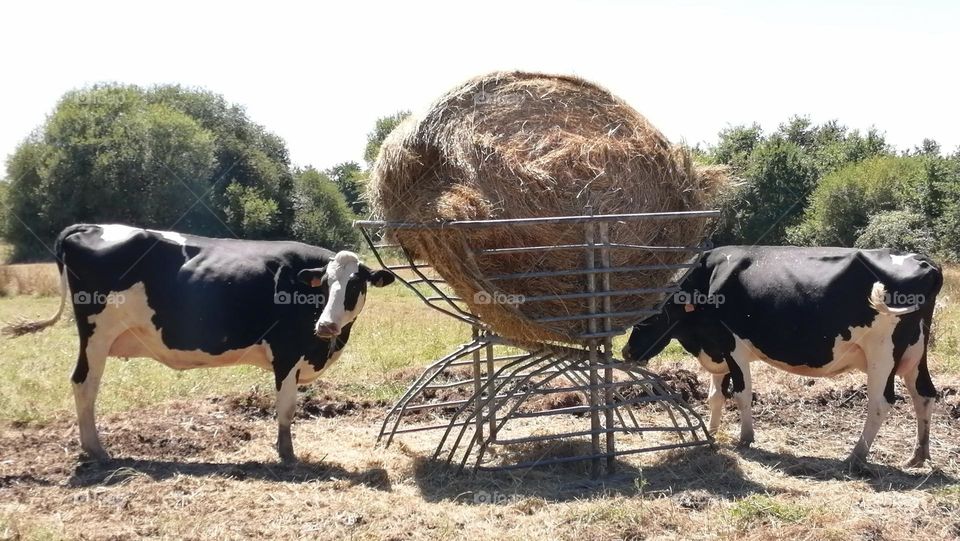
(809, 311)
(190, 301)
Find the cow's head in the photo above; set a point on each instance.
(345, 280)
(651, 336)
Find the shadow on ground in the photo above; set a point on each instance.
(881, 477)
(117, 471)
(700, 469)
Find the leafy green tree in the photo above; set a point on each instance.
(162, 157)
(736, 145)
(322, 216)
(351, 180)
(777, 179)
(381, 130)
(249, 211)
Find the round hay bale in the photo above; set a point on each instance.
(523, 145)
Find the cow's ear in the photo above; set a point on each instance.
(380, 278)
(313, 277)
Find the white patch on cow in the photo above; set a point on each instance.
(129, 330)
(899, 259)
(117, 232)
(276, 279)
(307, 373)
(339, 270)
(914, 352)
(172, 236)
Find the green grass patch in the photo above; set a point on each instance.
(760, 508)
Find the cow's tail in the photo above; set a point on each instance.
(25, 326)
(878, 300)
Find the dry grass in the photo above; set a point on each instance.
(205, 468)
(522, 145)
(195, 456)
(29, 279)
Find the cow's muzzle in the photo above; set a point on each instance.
(327, 330)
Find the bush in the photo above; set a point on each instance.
(322, 217)
(900, 230)
(842, 203)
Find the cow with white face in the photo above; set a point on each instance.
(191, 302)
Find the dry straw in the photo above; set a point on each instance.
(520, 145)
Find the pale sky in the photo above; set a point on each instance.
(318, 74)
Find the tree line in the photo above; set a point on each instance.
(169, 157)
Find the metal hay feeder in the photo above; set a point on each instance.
(492, 379)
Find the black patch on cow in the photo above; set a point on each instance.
(889, 391)
(356, 285)
(924, 383)
(726, 386)
(735, 375)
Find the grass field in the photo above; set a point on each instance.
(195, 460)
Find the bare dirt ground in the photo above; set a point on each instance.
(207, 468)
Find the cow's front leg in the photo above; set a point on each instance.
(880, 397)
(742, 395)
(286, 406)
(716, 399)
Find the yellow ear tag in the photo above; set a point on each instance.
(688, 308)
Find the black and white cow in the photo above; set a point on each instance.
(190, 301)
(811, 312)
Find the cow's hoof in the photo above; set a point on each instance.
(288, 459)
(95, 455)
(917, 461)
(855, 464)
(745, 442)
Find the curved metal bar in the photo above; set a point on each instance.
(541, 221)
(425, 378)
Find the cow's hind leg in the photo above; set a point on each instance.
(86, 382)
(923, 394)
(286, 407)
(880, 396)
